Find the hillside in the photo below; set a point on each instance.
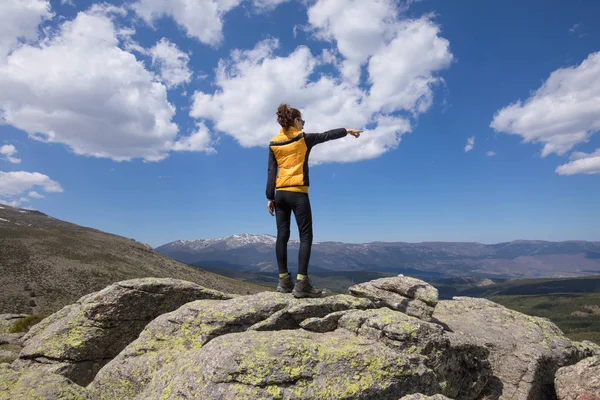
(428, 260)
(46, 263)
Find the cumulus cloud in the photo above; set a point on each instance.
(400, 58)
(470, 144)
(202, 20)
(78, 87)
(8, 152)
(357, 27)
(563, 112)
(490, 153)
(402, 71)
(173, 63)
(581, 163)
(19, 20)
(13, 185)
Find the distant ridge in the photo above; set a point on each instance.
(507, 260)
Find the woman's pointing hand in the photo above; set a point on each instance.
(354, 132)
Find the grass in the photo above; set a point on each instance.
(23, 325)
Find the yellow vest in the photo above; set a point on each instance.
(291, 153)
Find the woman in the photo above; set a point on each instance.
(289, 153)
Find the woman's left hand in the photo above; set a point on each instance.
(354, 132)
(271, 207)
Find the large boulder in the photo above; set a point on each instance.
(580, 381)
(402, 293)
(37, 384)
(525, 351)
(79, 339)
(171, 336)
(255, 347)
(291, 364)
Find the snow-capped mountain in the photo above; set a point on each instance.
(516, 259)
(229, 242)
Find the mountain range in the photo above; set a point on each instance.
(428, 260)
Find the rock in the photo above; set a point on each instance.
(172, 335)
(327, 323)
(36, 384)
(7, 356)
(462, 369)
(408, 295)
(419, 396)
(525, 351)
(11, 338)
(296, 312)
(7, 321)
(242, 348)
(291, 364)
(79, 339)
(580, 381)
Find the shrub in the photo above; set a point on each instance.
(24, 324)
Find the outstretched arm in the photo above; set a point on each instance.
(313, 139)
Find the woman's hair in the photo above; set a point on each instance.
(286, 115)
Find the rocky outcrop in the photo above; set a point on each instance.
(172, 336)
(271, 345)
(525, 351)
(79, 339)
(37, 384)
(405, 294)
(580, 381)
(159, 339)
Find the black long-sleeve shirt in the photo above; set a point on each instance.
(286, 154)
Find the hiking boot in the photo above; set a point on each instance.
(285, 284)
(305, 289)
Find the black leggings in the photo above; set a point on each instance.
(285, 203)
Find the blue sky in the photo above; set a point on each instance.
(150, 118)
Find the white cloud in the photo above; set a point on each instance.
(357, 27)
(173, 63)
(470, 144)
(401, 59)
(199, 140)
(79, 88)
(402, 72)
(14, 184)
(562, 113)
(9, 151)
(582, 163)
(69, 2)
(19, 19)
(202, 20)
(490, 153)
(35, 195)
(267, 4)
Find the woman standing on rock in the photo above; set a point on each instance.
(288, 153)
